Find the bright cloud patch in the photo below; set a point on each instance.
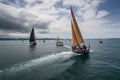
(101, 14)
(51, 18)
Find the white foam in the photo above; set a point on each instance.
(66, 46)
(92, 51)
(37, 62)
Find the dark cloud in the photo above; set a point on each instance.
(11, 26)
(43, 32)
(5, 36)
(16, 24)
(41, 25)
(9, 23)
(19, 20)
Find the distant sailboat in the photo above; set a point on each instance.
(58, 42)
(100, 41)
(32, 37)
(43, 41)
(78, 41)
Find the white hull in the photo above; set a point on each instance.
(32, 43)
(59, 43)
(85, 52)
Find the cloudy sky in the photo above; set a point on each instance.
(51, 18)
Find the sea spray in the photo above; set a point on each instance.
(32, 64)
(66, 46)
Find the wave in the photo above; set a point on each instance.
(21, 67)
(66, 46)
(91, 51)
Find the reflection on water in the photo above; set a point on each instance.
(32, 49)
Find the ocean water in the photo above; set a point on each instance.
(46, 61)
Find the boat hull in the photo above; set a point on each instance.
(59, 44)
(100, 41)
(32, 43)
(84, 52)
(43, 41)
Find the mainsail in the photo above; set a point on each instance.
(32, 36)
(74, 39)
(76, 31)
(57, 40)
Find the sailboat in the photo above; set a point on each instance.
(32, 40)
(100, 41)
(43, 41)
(79, 45)
(58, 42)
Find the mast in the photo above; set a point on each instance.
(32, 36)
(76, 29)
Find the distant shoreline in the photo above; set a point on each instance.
(28, 39)
(49, 38)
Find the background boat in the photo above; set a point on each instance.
(58, 42)
(32, 39)
(100, 41)
(48, 62)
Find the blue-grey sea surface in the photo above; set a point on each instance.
(46, 61)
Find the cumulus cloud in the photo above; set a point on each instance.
(14, 19)
(51, 17)
(102, 13)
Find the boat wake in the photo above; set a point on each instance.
(32, 64)
(91, 51)
(66, 46)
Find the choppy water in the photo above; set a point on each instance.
(19, 61)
